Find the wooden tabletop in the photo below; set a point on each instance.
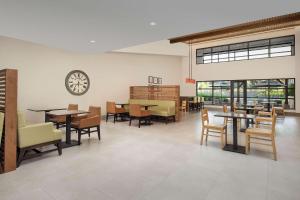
(67, 112)
(45, 109)
(235, 115)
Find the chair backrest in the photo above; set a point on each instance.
(134, 110)
(204, 117)
(94, 111)
(274, 117)
(273, 112)
(225, 108)
(1, 126)
(73, 107)
(110, 107)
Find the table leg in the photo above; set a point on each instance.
(234, 147)
(234, 133)
(46, 117)
(69, 142)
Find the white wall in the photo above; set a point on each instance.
(42, 73)
(281, 67)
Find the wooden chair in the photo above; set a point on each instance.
(265, 116)
(135, 112)
(265, 134)
(258, 108)
(112, 110)
(280, 110)
(183, 106)
(220, 129)
(60, 121)
(225, 110)
(83, 124)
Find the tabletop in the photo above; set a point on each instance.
(235, 115)
(45, 109)
(67, 112)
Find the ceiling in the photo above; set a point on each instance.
(72, 24)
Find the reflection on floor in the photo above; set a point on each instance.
(160, 162)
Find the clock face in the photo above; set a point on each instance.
(77, 82)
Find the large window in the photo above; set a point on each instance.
(275, 92)
(267, 48)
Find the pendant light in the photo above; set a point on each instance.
(190, 78)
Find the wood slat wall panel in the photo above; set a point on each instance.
(164, 92)
(8, 105)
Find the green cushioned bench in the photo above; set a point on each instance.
(164, 108)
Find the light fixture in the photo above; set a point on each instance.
(190, 78)
(152, 23)
(92, 41)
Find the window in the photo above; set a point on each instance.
(267, 48)
(262, 91)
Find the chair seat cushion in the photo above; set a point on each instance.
(259, 131)
(215, 126)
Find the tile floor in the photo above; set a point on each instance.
(160, 162)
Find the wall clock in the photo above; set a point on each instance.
(77, 82)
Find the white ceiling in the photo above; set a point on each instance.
(71, 24)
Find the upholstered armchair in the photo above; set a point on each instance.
(60, 121)
(31, 137)
(85, 123)
(113, 110)
(136, 112)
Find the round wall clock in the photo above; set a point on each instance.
(77, 82)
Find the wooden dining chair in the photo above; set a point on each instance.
(219, 130)
(60, 121)
(225, 110)
(280, 110)
(265, 116)
(136, 112)
(85, 124)
(113, 110)
(262, 134)
(183, 106)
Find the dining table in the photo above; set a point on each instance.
(235, 147)
(68, 114)
(45, 110)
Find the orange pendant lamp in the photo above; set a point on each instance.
(190, 78)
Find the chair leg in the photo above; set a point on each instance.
(139, 122)
(130, 121)
(115, 116)
(222, 139)
(98, 131)
(21, 156)
(247, 143)
(202, 135)
(57, 125)
(89, 132)
(206, 138)
(59, 148)
(106, 117)
(274, 148)
(79, 136)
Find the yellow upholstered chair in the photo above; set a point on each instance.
(263, 134)
(136, 112)
(84, 123)
(219, 129)
(35, 136)
(113, 110)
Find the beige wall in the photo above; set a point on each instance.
(42, 73)
(281, 67)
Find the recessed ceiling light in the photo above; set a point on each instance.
(92, 41)
(152, 23)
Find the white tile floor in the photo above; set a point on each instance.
(160, 162)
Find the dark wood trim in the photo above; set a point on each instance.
(23, 151)
(263, 25)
